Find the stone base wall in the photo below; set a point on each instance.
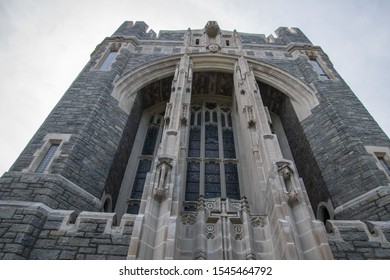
(355, 240)
(35, 231)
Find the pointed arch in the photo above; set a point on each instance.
(302, 95)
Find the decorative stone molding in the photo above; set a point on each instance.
(200, 255)
(213, 48)
(212, 29)
(163, 172)
(168, 112)
(238, 232)
(210, 231)
(248, 110)
(292, 196)
(284, 170)
(258, 221)
(201, 203)
(244, 204)
(184, 114)
(188, 219)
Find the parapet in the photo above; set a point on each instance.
(35, 231)
(359, 240)
(138, 29)
(284, 35)
(291, 35)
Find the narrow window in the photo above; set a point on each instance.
(384, 163)
(196, 41)
(227, 43)
(108, 60)
(145, 162)
(318, 69)
(47, 158)
(212, 163)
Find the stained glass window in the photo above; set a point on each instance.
(153, 133)
(212, 180)
(212, 163)
(193, 181)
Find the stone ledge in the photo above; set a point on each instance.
(380, 196)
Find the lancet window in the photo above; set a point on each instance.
(152, 137)
(211, 162)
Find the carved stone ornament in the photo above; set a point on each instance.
(210, 231)
(200, 255)
(234, 206)
(210, 205)
(184, 114)
(188, 219)
(201, 203)
(292, 196)
(258, 221)
(212, 29)
(248, 110)
(168, 112)
(213, 48)
(238, 232)
(285, 171)
(162, 180)
(244, 204)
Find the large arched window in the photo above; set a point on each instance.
(211, 162)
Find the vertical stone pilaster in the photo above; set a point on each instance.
(280, 193)
(157, 229)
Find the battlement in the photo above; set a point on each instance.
(284, 35)
(51, 189)
(138, 29)
(359, 240)
(35, 231)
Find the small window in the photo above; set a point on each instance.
(318, 69)
(47, 158)
(227, 43)
(382, 156)
(384, 163)
(196, 41)
(108, 60)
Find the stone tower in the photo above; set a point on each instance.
(201, 144)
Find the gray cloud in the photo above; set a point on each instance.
(44, 45)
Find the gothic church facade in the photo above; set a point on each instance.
(201, 144)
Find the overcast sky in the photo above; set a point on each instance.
(44, 44)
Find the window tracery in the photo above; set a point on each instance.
(211, 163)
